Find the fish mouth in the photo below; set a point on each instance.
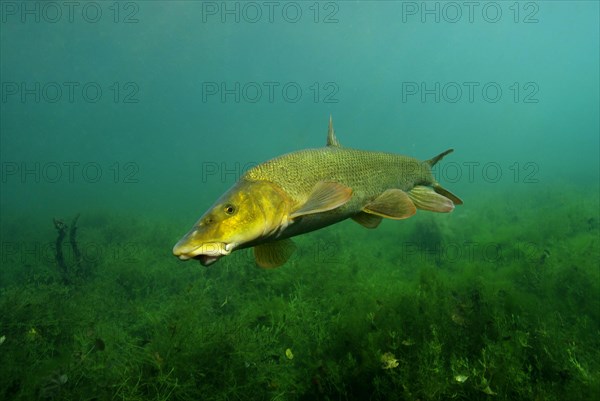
(207, 253)
(207, 260)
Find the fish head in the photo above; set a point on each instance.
(249, 211)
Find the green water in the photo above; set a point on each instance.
(136, 116)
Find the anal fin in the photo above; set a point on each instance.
(274, 254)
(392, 204)
(426, 198)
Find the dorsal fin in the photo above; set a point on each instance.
(439, 157)
(331, 139)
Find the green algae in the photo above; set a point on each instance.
(475, 305)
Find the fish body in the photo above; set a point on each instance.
(368, 174)
(306, 190)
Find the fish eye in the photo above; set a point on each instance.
(229, 209)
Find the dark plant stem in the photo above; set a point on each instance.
(62, 230)
(72, 240)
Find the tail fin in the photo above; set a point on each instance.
(437, 187)
(443, 191)
(439, 157)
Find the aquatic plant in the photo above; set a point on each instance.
(144, 327)
(77, 269)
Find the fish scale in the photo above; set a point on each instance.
(367, 173)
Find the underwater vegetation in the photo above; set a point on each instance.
(495, 302)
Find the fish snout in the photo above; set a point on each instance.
(185, 245)
(207, 252)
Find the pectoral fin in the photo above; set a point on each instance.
(274, 254)
(324, 196)
(392, 204)
(367, 220)
(426, 198)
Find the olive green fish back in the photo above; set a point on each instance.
(367, 173)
